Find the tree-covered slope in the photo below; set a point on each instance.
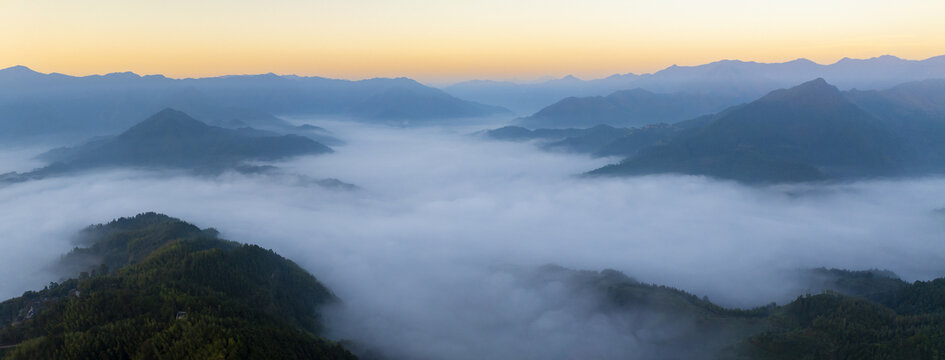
(155, 287)
(833, 326)
(165, 289)
(660, 321)
(868, 314)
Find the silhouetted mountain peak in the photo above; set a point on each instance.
(935, 59)
(18, 72)
(167, 121)
(731, 62)
(801, 61)
(122, 75)
(814, 92)
(818, 83)
(19, 69)
(886, 59)
(620, 76)
(399, 81)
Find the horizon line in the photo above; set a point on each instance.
(539, 79)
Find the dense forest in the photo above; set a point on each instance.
(155, 287)
(854, 315)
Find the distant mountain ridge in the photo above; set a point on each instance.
(33, 103)
(635, 107)
(526, 98)
(740, 80)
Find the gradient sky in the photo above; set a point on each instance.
(438, 41)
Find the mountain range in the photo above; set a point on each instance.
(809, 132)
(36, 104)
(740, 81)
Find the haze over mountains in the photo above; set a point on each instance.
(740, 81)
(35, 104)
(730, 247)
(597, 141)
(809, 132)
(32, 103)
(635, 107)
(526, 98)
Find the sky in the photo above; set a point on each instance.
(453, 40)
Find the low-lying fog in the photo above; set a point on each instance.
(417, 255)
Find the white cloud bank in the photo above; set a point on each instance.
(414, 255)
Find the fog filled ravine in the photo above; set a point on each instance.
(436, 242)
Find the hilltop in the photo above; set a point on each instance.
(152, 286)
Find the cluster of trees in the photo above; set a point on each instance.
(869, 315)
(834, 326)
(873, 315)
(176, 292)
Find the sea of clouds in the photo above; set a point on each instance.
(419, 254)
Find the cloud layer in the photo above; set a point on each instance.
(419, 255)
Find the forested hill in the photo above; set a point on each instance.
(851, 315)
(155, 287)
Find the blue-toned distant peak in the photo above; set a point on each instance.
(19, 69)
(19, 72)
(813, 92)
(167, 122)
(883, 59)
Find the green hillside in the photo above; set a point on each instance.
(165, 289)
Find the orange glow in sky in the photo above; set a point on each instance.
(439, 41)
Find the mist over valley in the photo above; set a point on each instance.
(441, 241)
(394, 180)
